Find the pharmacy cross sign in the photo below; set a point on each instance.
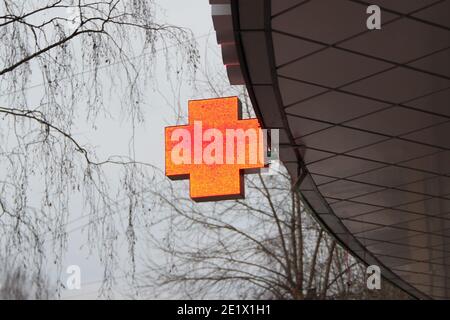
(214, 149)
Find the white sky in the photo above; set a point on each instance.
(112, 136)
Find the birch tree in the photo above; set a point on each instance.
(60, 61)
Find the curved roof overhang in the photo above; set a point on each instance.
(364, 119)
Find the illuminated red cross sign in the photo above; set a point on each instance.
(214, 149)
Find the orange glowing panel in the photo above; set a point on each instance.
(214, 149)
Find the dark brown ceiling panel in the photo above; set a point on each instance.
(364, 118)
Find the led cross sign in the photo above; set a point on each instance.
(214, 149)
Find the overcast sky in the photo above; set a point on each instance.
(113, 136)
